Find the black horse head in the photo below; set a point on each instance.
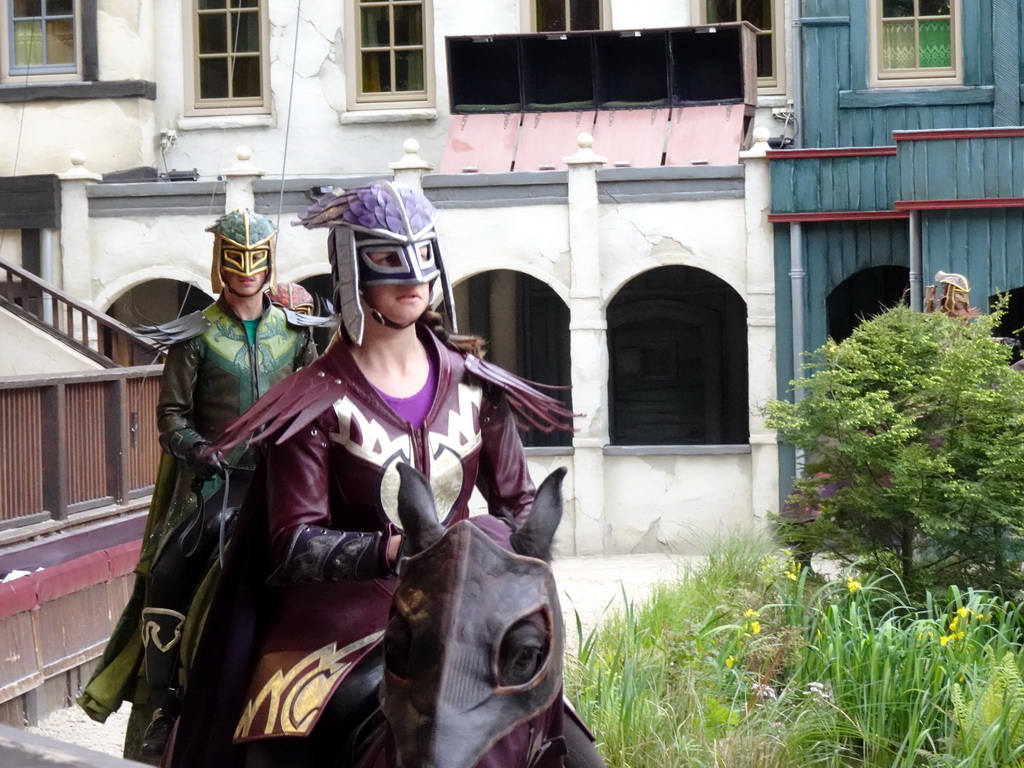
(474, 645)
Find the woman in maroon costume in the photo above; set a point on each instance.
(393, 389)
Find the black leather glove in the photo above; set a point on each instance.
(205, 461)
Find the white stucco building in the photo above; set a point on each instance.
(635, 266)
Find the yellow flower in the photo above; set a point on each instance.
(953, 623)
(752, 614)
(852, 584)
(945, 639)
(755, 627)
(790, 575)
(730, 661)
(963, 612)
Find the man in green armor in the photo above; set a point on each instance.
(219, 362)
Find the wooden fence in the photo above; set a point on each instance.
(75, 442)
(78, 458)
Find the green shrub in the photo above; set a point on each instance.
(913, 433)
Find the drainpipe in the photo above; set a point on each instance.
(46, 271)
(916, 263)
(796, 284)
(797, 53)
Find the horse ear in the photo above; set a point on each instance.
(416, 509)
(535, 536)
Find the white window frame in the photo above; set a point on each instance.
(357, 100)
(47, 73)
(529, 14)
(914, 77)
(765, 85)
(241, 106)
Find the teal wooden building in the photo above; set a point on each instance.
(908, 159)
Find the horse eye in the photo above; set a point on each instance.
(397, 644)
(522, 653)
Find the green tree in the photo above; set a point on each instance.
(913, 433)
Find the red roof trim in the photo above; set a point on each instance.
(781, 154)
(965, 203)
(959, 133)
(782, 218)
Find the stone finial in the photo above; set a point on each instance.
(78, 171)
(760, 146)
(243, 166)
(411, 161)
(585, 154)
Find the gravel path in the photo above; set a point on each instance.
(590, 586)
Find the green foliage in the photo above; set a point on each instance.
(913, 433)
(749, 660)
(992, 721)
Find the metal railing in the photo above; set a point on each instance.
(85, 329)
(75, 442)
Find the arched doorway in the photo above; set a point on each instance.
(863, 295)
(158, 301)
(677, 342)
(1012, 324)
(526, 325)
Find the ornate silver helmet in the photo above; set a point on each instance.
(382, 216)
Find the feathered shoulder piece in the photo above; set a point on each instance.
(290, 405)
(180, 329)
(532, 408)
(300, 320)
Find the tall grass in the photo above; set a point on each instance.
(748, 660)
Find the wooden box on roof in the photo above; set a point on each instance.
(604, 69)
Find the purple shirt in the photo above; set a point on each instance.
(414, 409)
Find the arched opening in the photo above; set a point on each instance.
(526, 325)
(677, 341)
(1012, 324)
(864, 295)
(158, 301)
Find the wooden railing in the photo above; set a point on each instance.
(85, 329)
(75, 442)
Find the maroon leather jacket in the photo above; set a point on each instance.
(331, 500)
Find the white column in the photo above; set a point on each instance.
(238, 180)
(588, 330)
(74, 273)
(410, 169)
(760, 328)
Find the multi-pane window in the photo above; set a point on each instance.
(230, 53)
(567, 15)
(761, 14)
(392, 50)
(917, 39)
(41, 35)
